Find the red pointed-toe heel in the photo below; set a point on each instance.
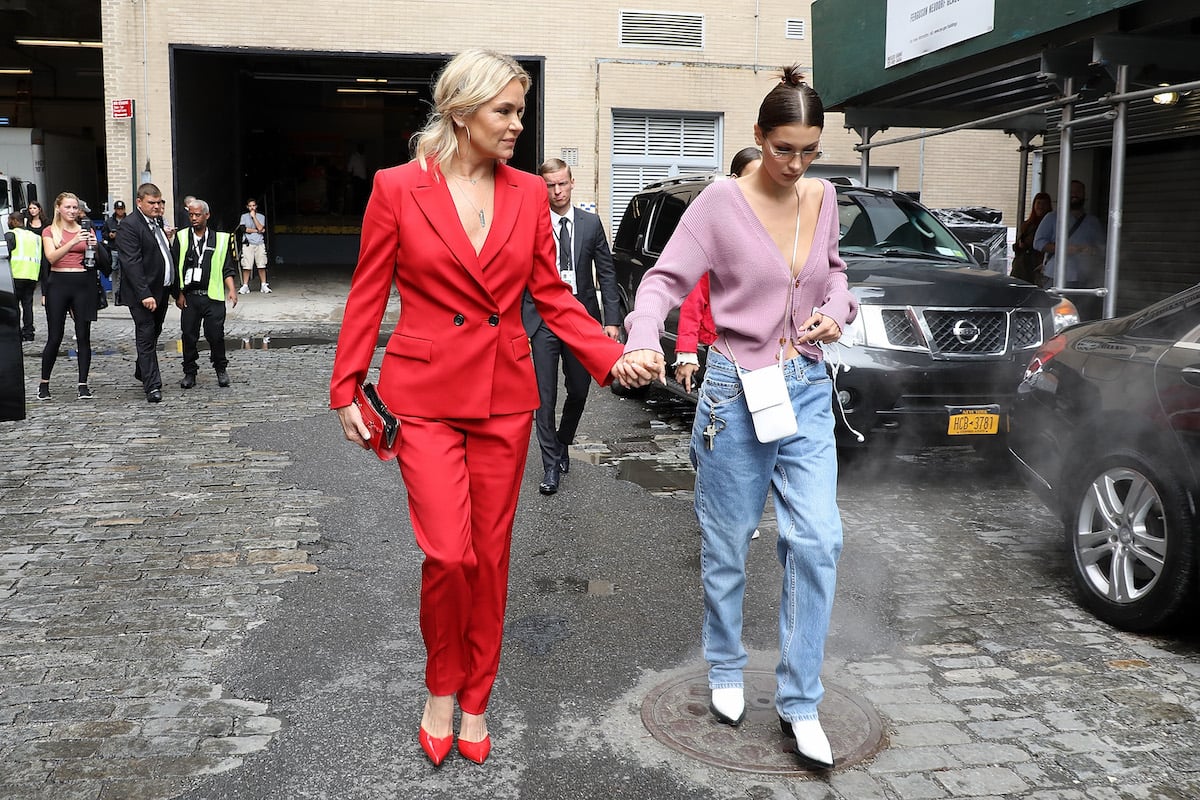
(437, 749)
(476, 751)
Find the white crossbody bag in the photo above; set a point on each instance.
(769, 403)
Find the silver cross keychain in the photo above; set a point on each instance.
(710, 434)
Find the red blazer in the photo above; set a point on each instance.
(459, 348)
(695, 326)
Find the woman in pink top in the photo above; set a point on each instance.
(769, 243)
(696, 326)
(68, 288)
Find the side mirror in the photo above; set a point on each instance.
(980, 254)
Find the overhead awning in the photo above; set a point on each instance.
(1081, 70)
(1015, 66)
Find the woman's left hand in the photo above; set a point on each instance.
(820, 328)
(353, 427)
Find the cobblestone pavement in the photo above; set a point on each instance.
(955, 619)
(138, 546)
(145, 548)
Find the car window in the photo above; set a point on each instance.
(665, 218)
(627, 231)
(880, 223)
(1172, 319)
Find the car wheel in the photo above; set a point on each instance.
(1132, 543)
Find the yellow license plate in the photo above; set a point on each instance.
(973, 421)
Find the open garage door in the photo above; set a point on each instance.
(282, 127)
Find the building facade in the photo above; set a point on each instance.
(270, 100)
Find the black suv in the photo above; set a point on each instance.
(940, 343)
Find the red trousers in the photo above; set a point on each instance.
(463, 478)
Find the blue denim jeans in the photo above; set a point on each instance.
(732, 481)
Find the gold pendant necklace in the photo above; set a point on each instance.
(478, 210)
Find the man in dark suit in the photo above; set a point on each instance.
(580, 246)
(145, 256)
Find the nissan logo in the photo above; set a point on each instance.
(965, 332)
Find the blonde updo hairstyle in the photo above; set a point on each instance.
(470, 79)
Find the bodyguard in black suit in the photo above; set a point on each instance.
(148, 281)
(581, 246)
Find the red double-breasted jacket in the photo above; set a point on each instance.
(459, 349)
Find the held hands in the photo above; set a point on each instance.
(819, 328)
(638, 367)
(352, 425)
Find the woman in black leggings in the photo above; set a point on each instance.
(69, 287)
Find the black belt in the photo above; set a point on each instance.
(200, 292)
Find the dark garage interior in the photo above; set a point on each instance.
(281, 127)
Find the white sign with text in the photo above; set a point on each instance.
(917, 27)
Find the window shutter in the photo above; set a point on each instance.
(651, 147)
(662, 29)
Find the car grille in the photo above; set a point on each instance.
(1025, 330)
(899, 328)
(967, 332)
(950, 332)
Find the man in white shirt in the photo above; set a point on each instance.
(254, 247)
(1086, 240)
(143, 242)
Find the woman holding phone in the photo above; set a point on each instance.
(68, 287)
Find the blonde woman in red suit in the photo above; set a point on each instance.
(461, 236)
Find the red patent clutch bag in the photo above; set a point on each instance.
(382, 424)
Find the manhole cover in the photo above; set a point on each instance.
(676, 714)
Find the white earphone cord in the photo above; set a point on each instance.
(833, 356)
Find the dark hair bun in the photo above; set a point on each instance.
(792, 76)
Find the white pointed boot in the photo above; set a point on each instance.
(811, 743)
(728, 705)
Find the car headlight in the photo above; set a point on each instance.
(1064, 315)
(856, 332)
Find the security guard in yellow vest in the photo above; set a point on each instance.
(207, 269)
(25, 257)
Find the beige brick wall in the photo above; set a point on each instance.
(587, 75)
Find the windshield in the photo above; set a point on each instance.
(890, 225)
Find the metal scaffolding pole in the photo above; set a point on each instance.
(864, 168)
(1116, 197)
(1024, 137)
(1062, 215)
